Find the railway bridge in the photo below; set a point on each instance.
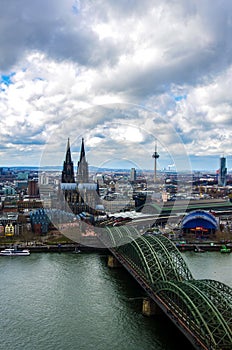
(201, 309)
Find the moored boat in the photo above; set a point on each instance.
(225, 249)
(198, 249)
(76, 250)
(14, 252)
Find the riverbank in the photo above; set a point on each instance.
(75, 247)
(201, 247)
(55, 248)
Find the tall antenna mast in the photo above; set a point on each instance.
(155, 156)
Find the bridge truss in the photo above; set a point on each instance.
(202, 307)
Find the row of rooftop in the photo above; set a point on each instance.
(110, 192)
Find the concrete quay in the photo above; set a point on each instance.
(92, 245)
(54, 248)
(201, 247)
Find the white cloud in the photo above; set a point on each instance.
(205, 116)
(173, 58)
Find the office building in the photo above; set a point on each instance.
(222, 172)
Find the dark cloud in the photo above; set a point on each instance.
(50, 27)
(147, 52)
(54, 28)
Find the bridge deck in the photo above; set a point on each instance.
(201, 309)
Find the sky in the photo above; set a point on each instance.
(125, 75)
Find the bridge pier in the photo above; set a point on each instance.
(150, 308)
(113, 262)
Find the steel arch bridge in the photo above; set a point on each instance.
(156, 258)
(205, 308)
(202, 309)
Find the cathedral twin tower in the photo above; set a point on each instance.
(82, 167)
(79, 195)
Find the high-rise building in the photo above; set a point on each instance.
(43, 178)
(133, 175)
(222, 172)
(33, 188)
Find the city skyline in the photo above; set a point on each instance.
(120, 164)
(123, 76)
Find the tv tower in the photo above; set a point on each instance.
(155, 156)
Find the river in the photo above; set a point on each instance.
(66, 301)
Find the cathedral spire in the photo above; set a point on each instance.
(82, 154)
(68, 153)
(82, 166)
(68, 172)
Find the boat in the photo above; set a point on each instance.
(198, 249)
(76, 251)
(14, 252)
(225, 249)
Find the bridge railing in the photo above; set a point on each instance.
(202, 307)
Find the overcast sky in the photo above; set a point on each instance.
(122, 74)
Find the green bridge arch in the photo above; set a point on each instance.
(156, 258)
(203, 306)
(205, 311)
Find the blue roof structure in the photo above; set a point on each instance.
(200, 218)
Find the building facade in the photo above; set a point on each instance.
(222, 172)
(79, 195)
(133, 175)
(199, 222)
(33, 188)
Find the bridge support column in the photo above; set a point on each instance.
(150, 307)
(113, 262)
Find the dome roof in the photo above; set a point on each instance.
(200, 218)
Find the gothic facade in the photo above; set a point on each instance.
(79, 194)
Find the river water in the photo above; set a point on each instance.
(71, 301)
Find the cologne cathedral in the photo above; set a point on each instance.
(79, 194)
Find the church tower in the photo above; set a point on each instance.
(68, 172)
(82, 166)
(80, 195)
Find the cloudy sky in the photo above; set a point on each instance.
(122, 74)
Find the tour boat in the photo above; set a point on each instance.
(14, 252)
